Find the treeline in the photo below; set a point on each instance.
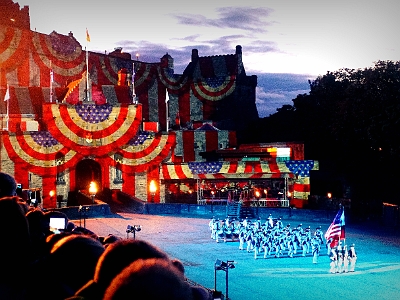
(350, 123)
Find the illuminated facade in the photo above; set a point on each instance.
(63, 128)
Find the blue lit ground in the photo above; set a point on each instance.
(377, 274)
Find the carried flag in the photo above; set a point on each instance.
(336, 230)
(87, 35)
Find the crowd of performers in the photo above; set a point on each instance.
(342, 259)
(273, 238)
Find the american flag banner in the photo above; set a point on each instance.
(336, 230)
(38, 152)
(226, 169)
(93, 129)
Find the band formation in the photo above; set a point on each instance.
(274, 239)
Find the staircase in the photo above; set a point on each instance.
(233, 210)
(247, 212)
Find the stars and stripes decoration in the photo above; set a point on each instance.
(38, 152)
(144, 153)
(336, 230)
(192, 98)
(205, 167)
(140, 138)
(214, 89)
(301, 168)
(173, 82)
(97, 132)
(62, 54)
(26, 52)
(103, 69)
(225, 169)
(92, 113)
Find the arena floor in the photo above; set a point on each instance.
(376, 275)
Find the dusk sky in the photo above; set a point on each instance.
(284, 43)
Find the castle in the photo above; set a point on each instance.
(71, 117)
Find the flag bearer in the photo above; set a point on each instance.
(333, 261)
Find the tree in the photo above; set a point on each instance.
(350, 122)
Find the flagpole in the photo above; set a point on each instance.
(133, 84)
(87, 74)
(166, 108)
(8, 105)
(87, 64)
(51, 82)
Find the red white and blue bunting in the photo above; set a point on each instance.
(99, 132)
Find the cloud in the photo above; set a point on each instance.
(274, 90)
(244, 18)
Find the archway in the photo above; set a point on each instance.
(87, 170)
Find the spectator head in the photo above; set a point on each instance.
(15, 240)
(109, 239)
(72, 263)
(8, 186)
(39, 229)
(115, 258)
(151, 279)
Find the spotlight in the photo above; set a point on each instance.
(224, 266)
(132, 229)
(82, 210)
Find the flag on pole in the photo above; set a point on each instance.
(7, 95)
(87, 35)
(336, 230)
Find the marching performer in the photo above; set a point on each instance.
(242, 236)
(345, 255)
(352, 257)
(212, 229)
(319, 235)
(316, 248)
(291, 244)
(339, 254)
(333, 261)
(219, 230)
(270, 222)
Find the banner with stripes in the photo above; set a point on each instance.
(191, 98)
(39, 152)
(222, 169)
(14, 49)
(93, 129)
(145, 151)
(63, 54)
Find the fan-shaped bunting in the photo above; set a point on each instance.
(38, 152)
(93, 129)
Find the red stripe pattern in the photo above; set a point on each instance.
(93, 137)
(39, 153)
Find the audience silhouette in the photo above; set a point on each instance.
(38, 261)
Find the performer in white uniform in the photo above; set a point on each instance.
(352, 257)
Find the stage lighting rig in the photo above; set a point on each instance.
(222, 266)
